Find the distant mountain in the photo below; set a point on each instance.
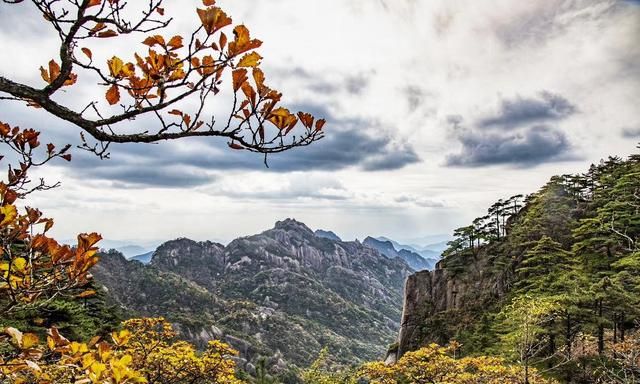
(387, 248)
(436, 247)
(284, 293)
(145, 258)
(428, 252)
(327, 235)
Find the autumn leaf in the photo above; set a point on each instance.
(213, 19)
(239, 77)
(8, 213)
(250, 60)
(113, 94)
(87, 293)
(209, 2)
(175, 42)
(306, 118)
(115, 66)
(258, 77)
(87, 52)
(320, 124)
(107, 33)
(30, 340)
(242, 42)
(153, 40)
(160, 11)
(93, 3)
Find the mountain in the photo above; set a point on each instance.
(144, 258)
(565, 259)
(284, 293)
(437, 248)
(431, 252)
(386, 247)
(327, 235)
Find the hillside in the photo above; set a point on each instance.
(284, 293)
(572, 247)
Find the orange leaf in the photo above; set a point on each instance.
(320, 124)
(87, 52)
(242, 42)
(235, 146)
(249, 92)
(306, 118)
(239, 77)
(175, 112)
(213, 19)
(94, 3)
(209, 2)
(223, 40)
(250, 60)
(54, 70)
(258, 77)
(175, 42)
(45, 75)
(113, 95)
(153, 40)
(160, 11)
(87, 293)
(107, 33)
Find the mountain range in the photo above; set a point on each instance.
(282, 294)
(392, 249)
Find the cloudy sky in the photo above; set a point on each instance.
(435, 110)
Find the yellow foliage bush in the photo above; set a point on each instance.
(435, 364)
(144, 351)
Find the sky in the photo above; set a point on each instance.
(434, 109)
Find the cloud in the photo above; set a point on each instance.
(631, 133)
(284, 188)
(419, 201)
(124, 176)
(515, 112)
(349, 143)
(415, 97)
(533, 146)
(519, 133)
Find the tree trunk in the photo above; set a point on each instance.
(600, 329)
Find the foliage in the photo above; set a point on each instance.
(436, 364)
(322, 371)
(573, 243)
(171, 80)
(35, 268)
(144, 351)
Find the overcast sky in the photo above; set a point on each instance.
(435, 110)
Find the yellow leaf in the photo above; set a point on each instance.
(8, 213)
(250, 60)
(19, 264)
(30, 340)
(115, 66)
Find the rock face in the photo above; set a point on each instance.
(435, 303)
(285, 291)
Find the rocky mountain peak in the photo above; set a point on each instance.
(292, 225)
